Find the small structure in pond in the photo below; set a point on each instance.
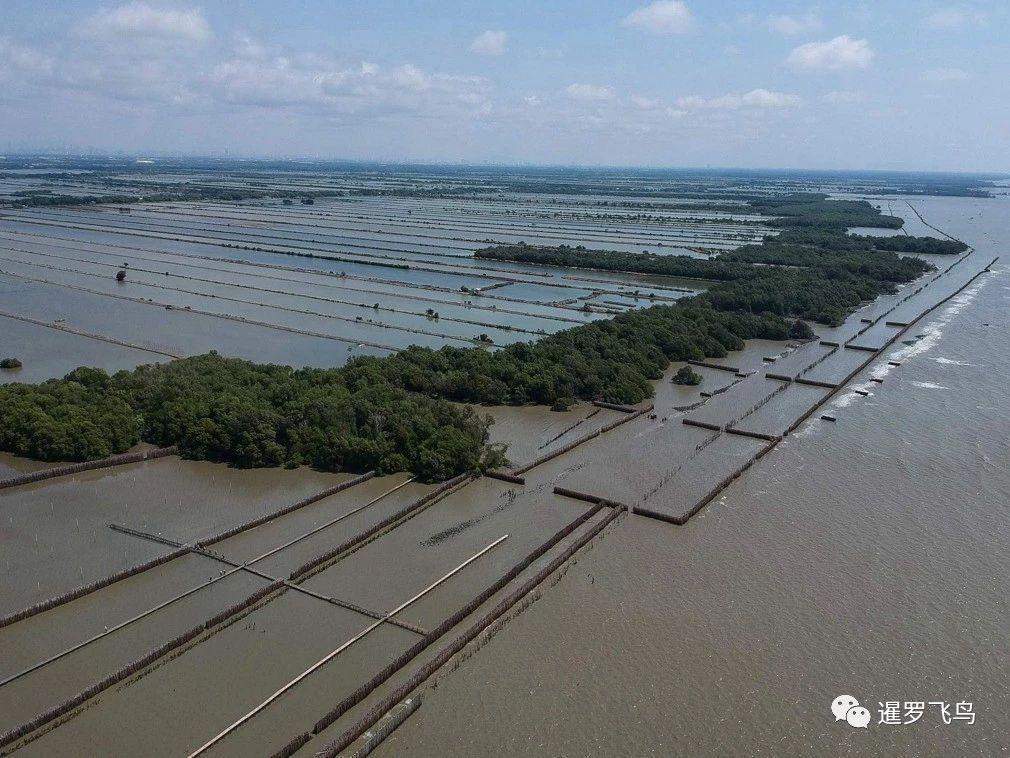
(121, 275)
(687, 375)
(10, 364)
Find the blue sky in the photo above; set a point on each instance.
(887, 84)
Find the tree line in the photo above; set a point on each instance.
(403, 412)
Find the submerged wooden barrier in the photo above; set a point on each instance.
(585, 497)
(447, 624)
(76, 468)
(755, 435)
(359, 540)
(374, 737)
(864, 348)
(87, 589)
(505, 476)
(275, 586)
(580, 440)
(286, 510)
(886, 345)
(716, 366)
(702, 424)
(828, 343)
(815, 383)
(137, 665)
(86, 334)
(615, 406)
(446, 653)
(778, 377)
(99, 584)
(683, 518)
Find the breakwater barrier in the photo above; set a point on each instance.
(359, 320)
(313, 498)
(584, 438)
(247, 567)
(76, 468)
(201, 312)
(716, 366)
(448, 269)
(87, 589)
(748, 433)
(584, 497)
(702, 424)
(872, 356)
(371, 307)
(617, 282)
(341, 648)
(615, 406)
(136, 666)
(568, 429)
(186, 261)
(815, 382)
(374, 737)
(193, 590)
(99, 584)
(864, 348)
(505, 477)
(176, 643)
(778, 377)
(683, 518)
(360, 540)
(421, 674)
(87, 334)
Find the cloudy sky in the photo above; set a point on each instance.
(889, 84)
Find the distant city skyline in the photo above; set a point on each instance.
(914, 86)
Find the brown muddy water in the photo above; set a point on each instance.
(864, 557)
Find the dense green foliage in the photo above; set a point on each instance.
(10, 363)
(394, 413)
(612, 360)
(247, 414)
(812, 270)
(810, 209)
(65, 421)
(803, 282)
(687, 376)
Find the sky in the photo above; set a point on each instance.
(888, 84)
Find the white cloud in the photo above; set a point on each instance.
(836, 54)
(842, 97)
(756, 98)
(23, 59)
(661, 17)
(489, 43)
(589, 92)
(944, 75)
(327, 86)
(953, 18)
(644, 103)
(792, 25)
(140, 20)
